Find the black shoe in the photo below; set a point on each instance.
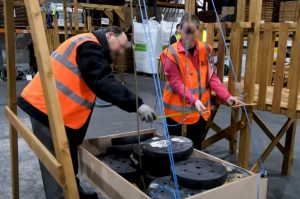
(84, 194)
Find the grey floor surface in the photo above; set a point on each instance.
(112, 120)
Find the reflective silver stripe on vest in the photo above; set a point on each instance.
(173, 52)
(71, 47)
(64, 60)
(73, 95)
(193, 91)
(186, 109)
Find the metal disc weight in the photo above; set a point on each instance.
(200, 173)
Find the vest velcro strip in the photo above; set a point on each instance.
(64, 89)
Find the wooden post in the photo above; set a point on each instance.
(65, 19)
(76, 23)
(56, 41)
(57, 127)
(221, 52)
(89, 23)
(10, 43)
(249, 85)
(241, 10)
(190, 6)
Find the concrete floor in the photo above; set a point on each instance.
(113, 120)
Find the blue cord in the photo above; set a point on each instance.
(158, 93)
(263, 171)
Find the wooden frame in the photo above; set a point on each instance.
(60, 166)
(113, 185)
(267, 91)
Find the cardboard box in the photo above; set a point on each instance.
(112, 185)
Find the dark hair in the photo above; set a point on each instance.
(190, 18)
(115, 29)
(178, 25)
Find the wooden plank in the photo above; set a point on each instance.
(294, 76)
(70, 23)
(260, 58)
(98, 6)
(57, 127)
(121, 14)
(76, 23)
(235, 116)
(190, 6)
(10, 47)
(56, 41)
(37, 147)
(249, 81)
(89, 23)
(274, 142)
(233, 55)
(289, 147)
(109, 15)
(210, 31)
(170, 5)
(225, 133)
(221, 53)
(291, 58)
(241, 10)
(267, 54)
(279, 73)
(65, 19)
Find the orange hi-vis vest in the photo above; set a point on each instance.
(75, 97)
(195, 80)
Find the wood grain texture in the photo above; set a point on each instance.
(53, 107)
(10, 47)
(279, 73)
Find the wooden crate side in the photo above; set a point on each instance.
(279, 70)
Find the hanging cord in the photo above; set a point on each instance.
(159, 93)
(142, 181)
(263, 172)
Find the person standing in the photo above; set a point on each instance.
(191, 76)
(81, 69)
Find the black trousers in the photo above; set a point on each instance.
(195, 132)
(42, 132)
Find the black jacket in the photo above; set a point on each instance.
(94, 65)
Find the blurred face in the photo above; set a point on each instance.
(178, 30)
(117, 44)
(189, 33)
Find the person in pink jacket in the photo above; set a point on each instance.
(190, 27)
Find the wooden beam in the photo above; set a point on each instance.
(98, 6)
(65, 19)
(57, 127)
(89, 23)
(274, 142)
(109, 15)
(75, 3)
(249, 82)
(294, 76)
(37, 147)
(190, 6)
(170, 5)
(267, 131)
(120, 13)
(10, 48)
(221, 53)
(266, 62)
(241, 10)
(56, 41)
(280, 63)
(225, 133)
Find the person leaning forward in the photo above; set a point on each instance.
(191, 76)
(81, 69)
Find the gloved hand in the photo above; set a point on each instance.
(146, 113)
(233, 101)
(199, 106)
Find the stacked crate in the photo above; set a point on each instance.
(268, 13)
(289, 11)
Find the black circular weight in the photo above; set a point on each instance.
(156, 148)
(163, 188)
(131, 139)
(200, 173)
(155, 167)
(121, 165)
(123, 150)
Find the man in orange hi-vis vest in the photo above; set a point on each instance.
(81, 68)
(191, 76)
